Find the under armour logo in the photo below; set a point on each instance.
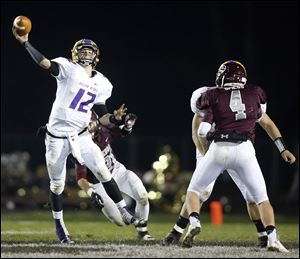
(224, 136)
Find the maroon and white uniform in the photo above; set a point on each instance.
(235, 112)
(205, 194)
(129, 183)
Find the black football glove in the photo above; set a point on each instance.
(97, 200)
(130, 120)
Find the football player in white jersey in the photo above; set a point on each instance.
(175, 234)
(79, 88)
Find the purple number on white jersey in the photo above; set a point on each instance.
(77, 98)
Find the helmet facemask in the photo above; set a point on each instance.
(86, 59)
(79, 57)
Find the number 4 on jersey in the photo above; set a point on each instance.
(236, 105)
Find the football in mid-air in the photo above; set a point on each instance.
(22, 24)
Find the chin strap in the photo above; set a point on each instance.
(85, 62)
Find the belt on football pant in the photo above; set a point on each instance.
(228, 137)
(50, 134)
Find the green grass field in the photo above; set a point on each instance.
(91, 227)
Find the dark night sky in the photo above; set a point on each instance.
(155, 54)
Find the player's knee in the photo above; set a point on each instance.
(143, 199)
(57, 186)
(103, 175)
(203, 196)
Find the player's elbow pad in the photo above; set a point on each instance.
(203, 129)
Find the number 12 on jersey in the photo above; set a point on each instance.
(77, 99)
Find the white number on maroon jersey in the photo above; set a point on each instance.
(236, 105)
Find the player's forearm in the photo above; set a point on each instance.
(199, 144)
(273, 131)
(38, 57)
(104, 120)
(269, 126)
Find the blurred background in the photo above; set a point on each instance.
(155, 54)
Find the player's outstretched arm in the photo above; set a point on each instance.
(269, 126)
(114, 119)
(35, 54)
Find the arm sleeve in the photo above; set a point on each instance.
(54, 69)
(34, 53)
(64, 68)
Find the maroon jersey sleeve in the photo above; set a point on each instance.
(262, 97)
(208, 117)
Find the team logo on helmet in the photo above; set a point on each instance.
(230, 74)
(85, 43)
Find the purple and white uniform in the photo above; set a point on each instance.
(71, 112)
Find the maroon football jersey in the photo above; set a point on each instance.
(103, 137)
(233, 110)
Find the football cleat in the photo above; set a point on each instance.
(194, 229)
(97, 200)
(144, 236)
(137, 222)
(171, 239)
(67, 240)
(277, 247)
(262, 241)
(128, 218)
(62, 233)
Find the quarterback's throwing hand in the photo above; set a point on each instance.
(21, 39)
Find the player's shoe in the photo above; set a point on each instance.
(171, 239)
(144, 236)
(262, 241)
(277, 247)
(130, 219)
(194, 229)
(137, 222)
(97, 200)
(62, 233)
(67, 240)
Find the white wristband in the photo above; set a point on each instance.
(280, 144)
(203, 129)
